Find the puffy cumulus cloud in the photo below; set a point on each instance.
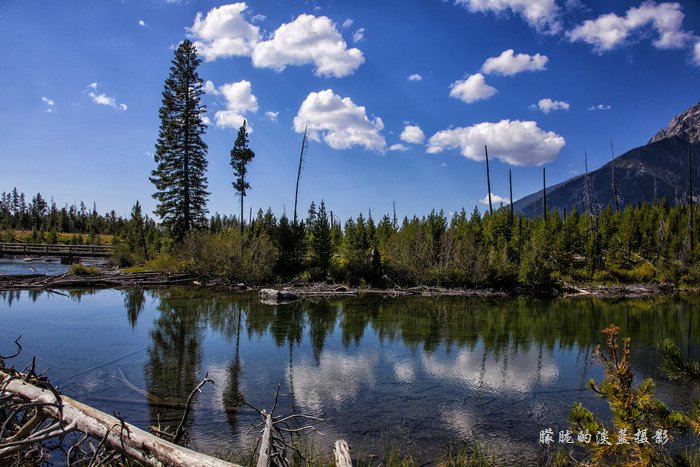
(142, 23)
(472, 89)
(610, 30)
(599, 107)
(515, 142)
(412, 134)
(272, 116)
(398, 147)
(495, 200)
(509, 64)
(415, 77)
(223, 32)
(541, 14)
(548, 105)
(102, 99)
(239, 100)
(339, 122)
(308, 39)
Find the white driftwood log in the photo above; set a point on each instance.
(342, 454)
(126, 439)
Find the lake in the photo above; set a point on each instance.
(416, 372)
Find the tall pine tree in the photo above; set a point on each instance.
(241, 154)
(180, 178)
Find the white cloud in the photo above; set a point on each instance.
(48, 102)
(398, 147)
(103, 99)
(142, 23)
(495, 200)
(239, 100)
(609, 31)
(224, 32)
(599, 107)
(415, 77)
(509, 64)
(472, 89)
(308, 39)
(359, 35)
(347, 23)
(340, 122)
(541, 14)
(696, 53)
(548, 105)
(272, 115)
(258, 19)
(514, 142)
(210, 88)
(412, 134)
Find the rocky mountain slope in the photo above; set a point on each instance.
(656, 170)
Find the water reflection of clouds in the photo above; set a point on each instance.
(337, 378)
(510, 373)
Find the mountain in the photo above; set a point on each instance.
(658, 170)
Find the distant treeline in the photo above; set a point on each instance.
(639, 244)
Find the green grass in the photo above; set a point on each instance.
(78, 269)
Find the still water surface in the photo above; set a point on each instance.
(420, 372)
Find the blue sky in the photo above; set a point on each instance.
(399, 97)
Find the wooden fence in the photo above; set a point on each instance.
(71, 251)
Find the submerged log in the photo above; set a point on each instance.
(116, 434)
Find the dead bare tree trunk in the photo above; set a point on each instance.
(544, 196)
(690, 198)
(488, 178)
(614, 185)
(588, 186)
(304, 145)
(510, 186)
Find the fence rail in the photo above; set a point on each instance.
(34, 249)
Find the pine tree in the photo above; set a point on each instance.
(240, 156)
(180, 151)
(321, 246)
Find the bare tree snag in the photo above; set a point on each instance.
(265, 444)
(488, 178)
(304, 146)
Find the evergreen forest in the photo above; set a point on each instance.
(640, 244)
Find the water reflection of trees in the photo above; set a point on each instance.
(501, 327)
(174, 357)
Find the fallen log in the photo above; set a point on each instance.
(115, 434)
(341, 451)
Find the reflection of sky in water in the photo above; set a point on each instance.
(364, 388)
(503, 375)
(337, 378)
(19, 266)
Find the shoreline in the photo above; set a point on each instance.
(298, 289)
